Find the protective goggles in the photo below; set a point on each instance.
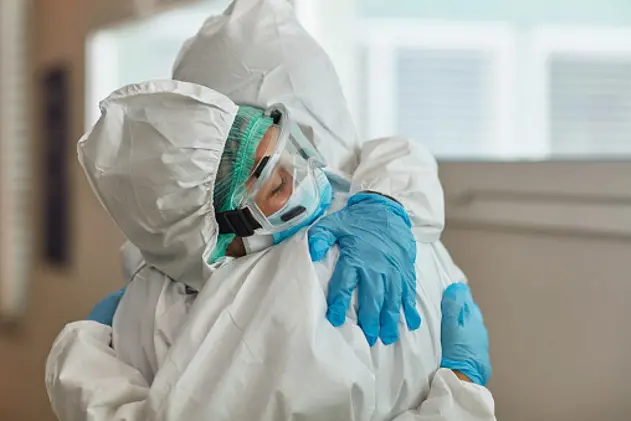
(283, 190)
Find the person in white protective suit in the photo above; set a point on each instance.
(257, 53)
(255, 344)
(73, 383)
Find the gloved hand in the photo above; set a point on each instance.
(465, 341)
(377, 255)
(104, 311)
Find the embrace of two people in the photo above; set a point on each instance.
(277, 267)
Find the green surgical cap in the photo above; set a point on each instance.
(237, 163)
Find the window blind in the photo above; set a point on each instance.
(590, 104)
(444, 98)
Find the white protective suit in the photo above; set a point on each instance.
(86, 379)
(255, 344)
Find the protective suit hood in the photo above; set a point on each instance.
(151, 160)
(257, 53)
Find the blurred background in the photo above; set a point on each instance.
(527, 105)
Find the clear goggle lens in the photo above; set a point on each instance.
(282, 190)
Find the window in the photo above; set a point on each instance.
(440, 83)
(15, 183)
(480, 80)
(587, 85)
(140, 50)
(486, 80)
(443, 96)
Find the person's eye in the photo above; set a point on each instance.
(282, 182)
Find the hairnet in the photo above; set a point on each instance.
(237, 163)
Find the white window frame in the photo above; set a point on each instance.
(15, 167)
(100, 80)
(333, 24)
(577, 40)
(101, 47)
(381, 37)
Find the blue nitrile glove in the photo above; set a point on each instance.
(465, 341)
(104, 311)
(377, 255)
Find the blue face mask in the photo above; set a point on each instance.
(326, 197)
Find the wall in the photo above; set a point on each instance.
(556, 309)
(546, 248)
(58, 296)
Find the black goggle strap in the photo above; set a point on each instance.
(260, 167)
(239, 222)
(276, 115)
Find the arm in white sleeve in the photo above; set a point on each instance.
(87, 382)
(406, 171)
(451, 399)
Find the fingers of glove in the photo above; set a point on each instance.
(322, 236)
(118, 295)
(459, 308)
(391, 311)
(457, 291)
(408, 297)
(371, 293)
(410, 251)
(454, 298)
(104, 311)
(412, 317)
(341, 287)
(110, 303)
